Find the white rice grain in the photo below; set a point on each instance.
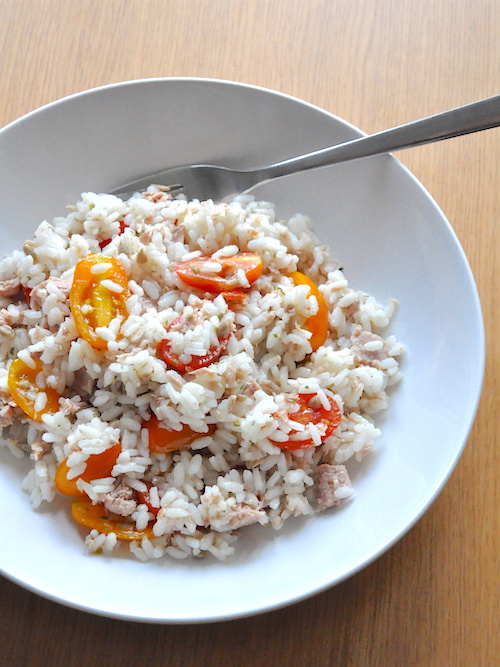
(237, 412)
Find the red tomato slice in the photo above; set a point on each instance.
(225, 280)
(317, 415)
(27, 294)
(165, 353)
(105, 242)
(146, 500)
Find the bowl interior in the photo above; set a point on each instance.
(393, 242)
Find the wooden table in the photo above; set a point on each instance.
(433, 598)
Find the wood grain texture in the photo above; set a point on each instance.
(433, 598)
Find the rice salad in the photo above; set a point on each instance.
(179, 370)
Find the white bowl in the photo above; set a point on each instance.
(392, 240)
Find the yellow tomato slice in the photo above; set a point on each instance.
(92, 303)
(98, 517)
(317, 324)
(24, 390)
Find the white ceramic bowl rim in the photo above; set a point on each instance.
(379, 180)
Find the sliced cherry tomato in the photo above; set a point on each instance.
(27, 294)
(317, 324)
(98, 517)
(316, 414)
(145, 499)
(225, 280)
(162, 440)
(105, 242)
(165, 353)
(98, 465)
(92, 304)
(235, 295)
(24, 390)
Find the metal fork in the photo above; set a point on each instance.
(205, 181)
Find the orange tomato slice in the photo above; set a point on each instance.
(235, 295)
(98, 465)
(317, 324)
(163, 440)
(98, 517)
(21, 380)
(225, 280)
(92, 304)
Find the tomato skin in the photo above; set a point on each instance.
(166, 354)
(235, 295)
(163, 440)
(98, 465)
(316, 415)
(105, 242)
(97, 517)
(27, 295)
(225, 281)
(21, 380)
(92, 304)
(144, 498)
(317, 324)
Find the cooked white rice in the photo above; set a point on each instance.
(227, 478)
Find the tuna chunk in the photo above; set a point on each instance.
(70, 406)
(120, 501)
(6, 415)
(10, 287)
(146, 237)
(244, 515)
(39, 293)
(84, 385)
(5, 318)
(160, 195)
(332, 485)
(368, 348)
(39, 448)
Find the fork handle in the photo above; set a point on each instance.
(473, 117)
